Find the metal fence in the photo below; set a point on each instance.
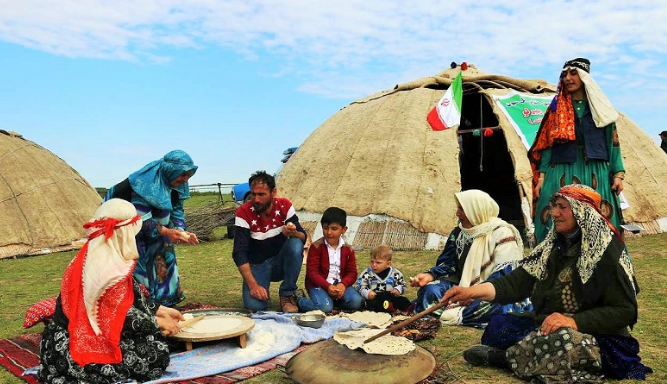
(220, 188)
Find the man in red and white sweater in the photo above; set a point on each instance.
(268, 245)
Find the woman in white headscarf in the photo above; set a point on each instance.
(577, 143)
(482, 247)
(104, 330)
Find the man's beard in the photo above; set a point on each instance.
(261, 208)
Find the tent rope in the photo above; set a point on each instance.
(481, 137)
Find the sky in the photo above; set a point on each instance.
(109, 86)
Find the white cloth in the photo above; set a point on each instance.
(601, 109)
(109, 260)
(484, 256)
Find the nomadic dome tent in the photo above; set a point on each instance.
(379, 159)
(43, 201)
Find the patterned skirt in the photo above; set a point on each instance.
(564, 356)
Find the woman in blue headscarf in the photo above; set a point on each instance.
(157, 191)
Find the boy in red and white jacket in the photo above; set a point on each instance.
(331, 268)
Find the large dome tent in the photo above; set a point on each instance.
(379, 159)
(43, 201)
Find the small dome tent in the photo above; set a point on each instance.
(379, 159)
(43, 201)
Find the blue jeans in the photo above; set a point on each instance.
(320, 299)
(285, 267)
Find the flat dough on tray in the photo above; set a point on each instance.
(370, 318)
(384, 345)
(213, 324)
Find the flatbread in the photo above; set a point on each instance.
(371, 319)
(210, 324)
(385, 345)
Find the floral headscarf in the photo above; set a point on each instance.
(596, 234)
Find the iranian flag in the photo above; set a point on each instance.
(447, 113)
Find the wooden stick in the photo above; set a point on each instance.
(407, 321)
(184, 324)
(189, 322)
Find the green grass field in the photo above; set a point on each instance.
(209, 276)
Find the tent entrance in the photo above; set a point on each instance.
(485, 161)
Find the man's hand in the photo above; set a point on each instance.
(395, 292)
(556, 321)
(259, 293)
(289, 230)
(371, 295)
(256, 290)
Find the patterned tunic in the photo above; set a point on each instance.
(144, 349)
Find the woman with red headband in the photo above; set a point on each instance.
(104, 330)
(583, 289)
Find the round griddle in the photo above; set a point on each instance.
(329, 362)
(245, 324)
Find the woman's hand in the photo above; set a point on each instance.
(167, 320)
(192, 240)
(538, 187)
(176, 236)
(171, 313)
(458, 296)
(617, 185)
(167, 325)
(556, 321)
(465, 296)
(421, 280)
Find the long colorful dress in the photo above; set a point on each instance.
(577, 143)
(157, 268)
(144, 349)
(159, 204)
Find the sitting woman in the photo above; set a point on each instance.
(482, 247)
(582, 285)
(104, 330)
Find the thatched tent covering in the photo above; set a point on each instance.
(379, 156)
(43, 201)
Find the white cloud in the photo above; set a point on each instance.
(351, 48)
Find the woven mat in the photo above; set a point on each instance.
(20, 353)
